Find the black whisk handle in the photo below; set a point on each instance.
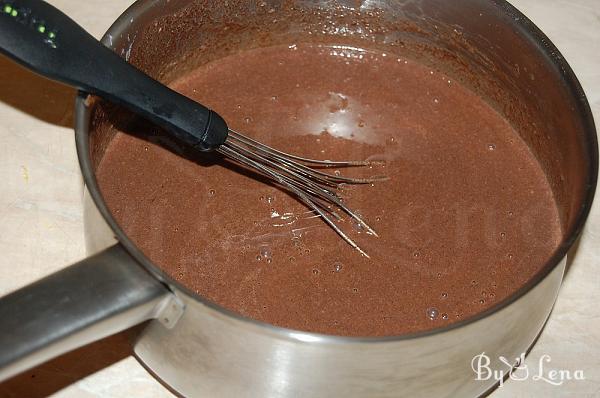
(43, 39)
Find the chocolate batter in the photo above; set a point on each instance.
(466, 218)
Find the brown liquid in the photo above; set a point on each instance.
(466, 218)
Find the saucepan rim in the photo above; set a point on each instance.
(525, 26)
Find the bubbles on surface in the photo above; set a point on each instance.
(265, 253)
(358, 227)
(432, 313)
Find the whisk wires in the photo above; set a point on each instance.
(315, 188)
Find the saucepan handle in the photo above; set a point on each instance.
(85, 302)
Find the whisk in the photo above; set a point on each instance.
(45, 40)
(316, 189)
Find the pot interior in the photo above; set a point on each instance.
(484, 45)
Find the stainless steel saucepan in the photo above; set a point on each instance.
(200, 349)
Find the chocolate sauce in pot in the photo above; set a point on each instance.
(466, 218)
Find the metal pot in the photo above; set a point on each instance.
(200, 349)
